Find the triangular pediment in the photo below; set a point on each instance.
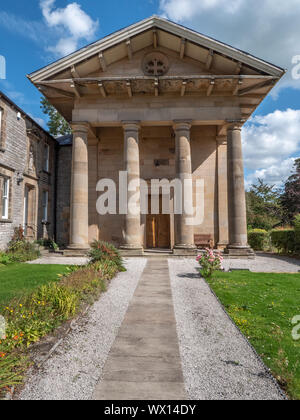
(157, 32)
(192, 64)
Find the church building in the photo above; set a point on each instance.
(160, 102)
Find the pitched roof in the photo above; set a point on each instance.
(164, 25)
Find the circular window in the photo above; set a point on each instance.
(155, 64)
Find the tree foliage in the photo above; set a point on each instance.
(290, 198)
(57, 125)
(264, 209)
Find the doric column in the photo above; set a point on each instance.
(222, 191)
(79, 188)
(133, 243)
(238, 240)
(184, 232)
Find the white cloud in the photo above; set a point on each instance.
(270, 144)
(273, 175)
(66, 28)
(71, 22)
(20, 26)
(268, 29)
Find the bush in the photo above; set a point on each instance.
(258, 239)
(284, 240)
(4, 259)
(297, 233)
(103, 251)
(20, 250)
(48, 243)
(209, 263)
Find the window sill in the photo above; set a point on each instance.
(6, 221)
(46, 172)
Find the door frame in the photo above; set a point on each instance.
(151, 220)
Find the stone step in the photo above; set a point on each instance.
(75, 253)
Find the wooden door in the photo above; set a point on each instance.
(158, 229)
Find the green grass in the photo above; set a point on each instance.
(17, 280)
(263, 305)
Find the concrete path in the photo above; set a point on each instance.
(144, 362)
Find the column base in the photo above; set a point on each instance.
(185, 250)
(239, 252)
(131, 251)
(221, 246)
(76, 251)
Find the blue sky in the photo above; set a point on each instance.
(35, 33)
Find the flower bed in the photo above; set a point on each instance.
(32, 317)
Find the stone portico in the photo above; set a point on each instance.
(161, 102)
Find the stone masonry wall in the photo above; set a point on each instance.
(18, 133)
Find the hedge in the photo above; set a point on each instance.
(258, 239)
(284, 240)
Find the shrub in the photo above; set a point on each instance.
(258, 239)
(48, 243)
(284, 240)
(20, 250)
(4, 259)
(297, 233)
(209, 263)
(104, 251)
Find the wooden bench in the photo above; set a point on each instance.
(203, 241)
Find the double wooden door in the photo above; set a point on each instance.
(158, 228)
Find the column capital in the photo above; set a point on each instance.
(131, 125)
(179, 125)
(81, 127)
(235, 124)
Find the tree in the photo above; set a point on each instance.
(290, 198)
(264, 209)
(57, 125)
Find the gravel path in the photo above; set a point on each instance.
(265, 263)
(76, 366)
(60, 260)
(218, 363)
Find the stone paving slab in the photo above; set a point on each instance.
(145, 391)
(144, 362)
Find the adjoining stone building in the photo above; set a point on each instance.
(27, 175)
(162, 102)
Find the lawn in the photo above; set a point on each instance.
(17, 280)
(263, 306)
